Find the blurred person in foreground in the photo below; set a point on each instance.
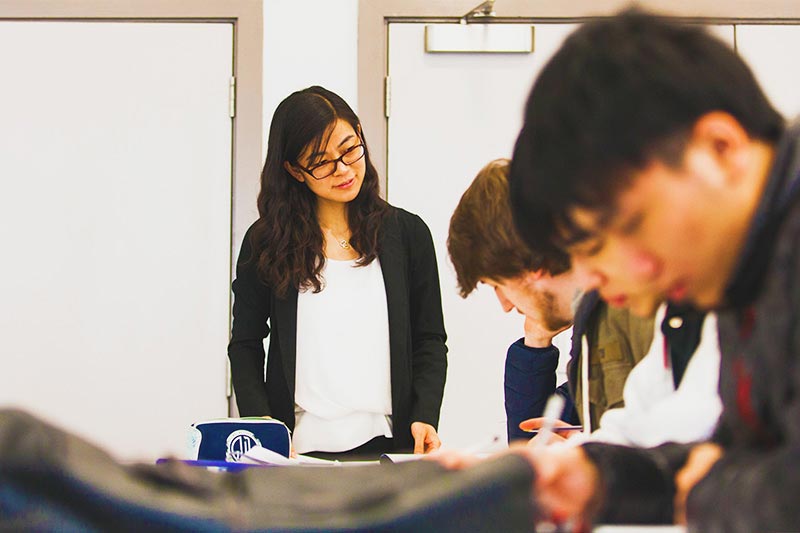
(651, 155)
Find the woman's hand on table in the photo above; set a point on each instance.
(426, 439)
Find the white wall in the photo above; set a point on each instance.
(310, 42)
(306, 42)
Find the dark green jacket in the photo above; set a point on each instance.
(617, 340)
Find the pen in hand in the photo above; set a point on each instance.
(555, 429)
(552, 410)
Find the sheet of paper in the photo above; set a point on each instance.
(400, 457)
(258, 455)
(639, 529)
(263, 456)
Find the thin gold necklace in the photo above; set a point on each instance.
(343, 243)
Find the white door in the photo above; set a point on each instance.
(450, 115)
(115, 195)
(771, 51)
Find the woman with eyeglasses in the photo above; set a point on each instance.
(346, 288)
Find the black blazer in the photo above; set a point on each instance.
(416, 332)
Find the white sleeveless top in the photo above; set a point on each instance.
(342, 381)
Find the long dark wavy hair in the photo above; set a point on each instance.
(287, 239)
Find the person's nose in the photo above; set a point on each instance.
(340, 168)
(505, 303)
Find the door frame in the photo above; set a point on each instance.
(374, 17)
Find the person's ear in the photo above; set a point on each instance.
(295, 173)
(725, 140)
(531, 277)
(536, 274)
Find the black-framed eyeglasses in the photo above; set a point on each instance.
(322, 170)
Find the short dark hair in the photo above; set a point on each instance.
(482, 241)
(619, 93)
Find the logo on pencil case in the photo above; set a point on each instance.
(239, 443)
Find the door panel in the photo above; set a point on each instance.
(115, 157)
(771, 51)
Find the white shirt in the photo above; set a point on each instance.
(343, 379)
(655, 411)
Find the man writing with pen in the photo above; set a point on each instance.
(655, 404)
